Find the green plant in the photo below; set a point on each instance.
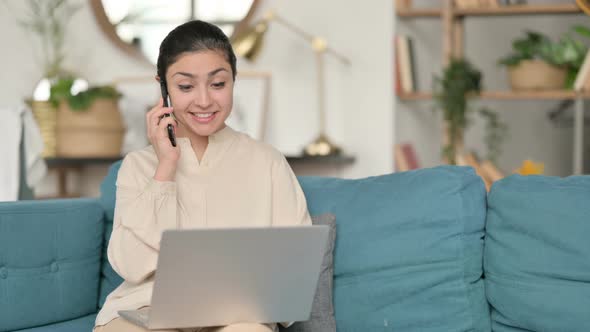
(568, 52)
(452, 90)
(48, 20)
(61, 91)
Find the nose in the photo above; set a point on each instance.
(202, 98)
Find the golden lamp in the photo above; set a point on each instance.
(249, 43)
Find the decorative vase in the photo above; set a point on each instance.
(536, 75)
(96, 132)
(46, 116)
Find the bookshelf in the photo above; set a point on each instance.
(539, 9)
(507, 95)
(452, 42)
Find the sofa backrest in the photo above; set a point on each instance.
(408, 248)
(109, 278)
(49, 261)
(537, 253)
(408, 254)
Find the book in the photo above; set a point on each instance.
(582, 77)
(405, 157)
(404, 60)
(403, 4)
(397, 71)
(490, 171)
(470, 160)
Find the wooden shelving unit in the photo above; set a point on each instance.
(493, 11)
(452, 20)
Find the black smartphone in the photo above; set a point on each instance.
(166, 99)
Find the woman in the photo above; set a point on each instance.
(214, 177)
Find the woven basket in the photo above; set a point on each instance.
(46, 116)
(93, 133)
(536, 75)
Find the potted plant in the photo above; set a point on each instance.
(538, 63)
(89, 123)
(47, 20)
(452, 92)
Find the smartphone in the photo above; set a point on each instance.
(167, 103)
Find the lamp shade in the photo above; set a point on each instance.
(249, 43)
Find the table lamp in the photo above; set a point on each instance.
(249, 44)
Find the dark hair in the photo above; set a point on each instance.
(194, 36)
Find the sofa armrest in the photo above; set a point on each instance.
(49, 261)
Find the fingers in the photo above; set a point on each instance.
(153, 117)
(163, 125)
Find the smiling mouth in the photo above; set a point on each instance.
(203, 117)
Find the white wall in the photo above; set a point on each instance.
(358, 98)
(531, 134)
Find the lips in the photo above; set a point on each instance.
(203, 117)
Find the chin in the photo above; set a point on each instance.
(207, 130)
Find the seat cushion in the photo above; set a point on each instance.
(49, 261)
(537, 254)
(409, 247)
(84, 324)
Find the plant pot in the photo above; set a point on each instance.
(46, 116)
(536, 75)
(93, 133)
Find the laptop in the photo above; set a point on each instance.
(218, 277)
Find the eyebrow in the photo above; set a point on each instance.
(212, 73)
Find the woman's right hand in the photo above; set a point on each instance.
(157, 132)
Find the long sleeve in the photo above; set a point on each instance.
(144, 209)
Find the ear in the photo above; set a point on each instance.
(158, 78)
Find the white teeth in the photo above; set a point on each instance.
(203, 115)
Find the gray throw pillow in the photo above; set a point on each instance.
(322, 311)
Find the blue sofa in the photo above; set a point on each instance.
(426, 250)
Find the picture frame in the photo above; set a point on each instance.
(251, 103)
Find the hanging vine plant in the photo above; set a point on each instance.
(459, 81)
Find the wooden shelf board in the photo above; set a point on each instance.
(507, 95)
(332, 160)
(496, 11)
(419, 12)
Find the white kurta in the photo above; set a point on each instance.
(239, 182)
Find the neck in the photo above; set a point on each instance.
(198, 143)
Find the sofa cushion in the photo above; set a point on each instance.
(49, 261)
(109, 278)
(322, 312)
(84, 324)
(408, 254)
(537, 254)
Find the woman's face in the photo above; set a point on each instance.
(200, 86)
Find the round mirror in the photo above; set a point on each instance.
(138, 26)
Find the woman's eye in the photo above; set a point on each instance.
(185, 87)
(218, 85)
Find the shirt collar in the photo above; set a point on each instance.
(219, 142)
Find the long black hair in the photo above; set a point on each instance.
(194, 36)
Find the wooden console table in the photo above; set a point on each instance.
(63, 165)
